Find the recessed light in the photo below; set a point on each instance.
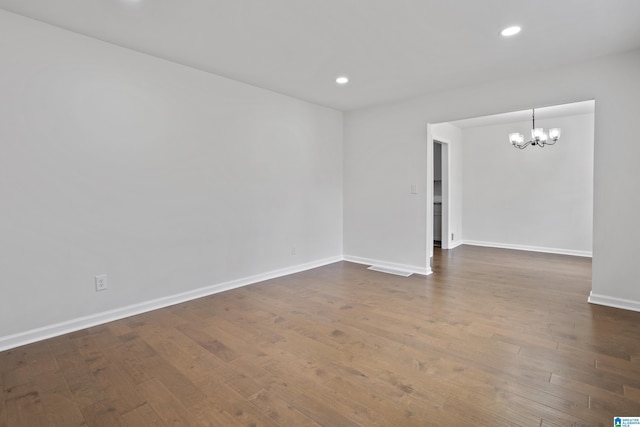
(342, 80)
(510, 31)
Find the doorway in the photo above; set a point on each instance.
(495, 175)
(437, 194)
(441, 199)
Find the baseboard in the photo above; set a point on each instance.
(392, 265)
(453, 245)
(39, 334)
(571, 252)
(608, 301)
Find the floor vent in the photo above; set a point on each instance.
(390, 271)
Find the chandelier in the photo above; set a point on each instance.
(538, 136)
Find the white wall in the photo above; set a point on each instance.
(383, 220)
(165, 178)
(536, 198)
(387, 146)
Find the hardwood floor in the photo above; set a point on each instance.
(493, 338)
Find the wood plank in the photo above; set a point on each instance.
(130, 356)
(83, 386)
(280, 411)
(57, 399)
(26, 410)
(117, 386)
(211, 413)
(219, 400)
(102, 414)
(632, 393)
(166, 405)
(62, 410)
(214, 346)
(142, 416)
(196, 384)
(3, 413)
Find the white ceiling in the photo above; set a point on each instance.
(391, 49)
(572, 109)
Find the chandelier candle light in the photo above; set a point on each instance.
(538, 136)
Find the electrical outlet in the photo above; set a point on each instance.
(414, 189)
(101, 283)
(451, 236)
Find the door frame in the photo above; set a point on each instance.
(446, 242)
